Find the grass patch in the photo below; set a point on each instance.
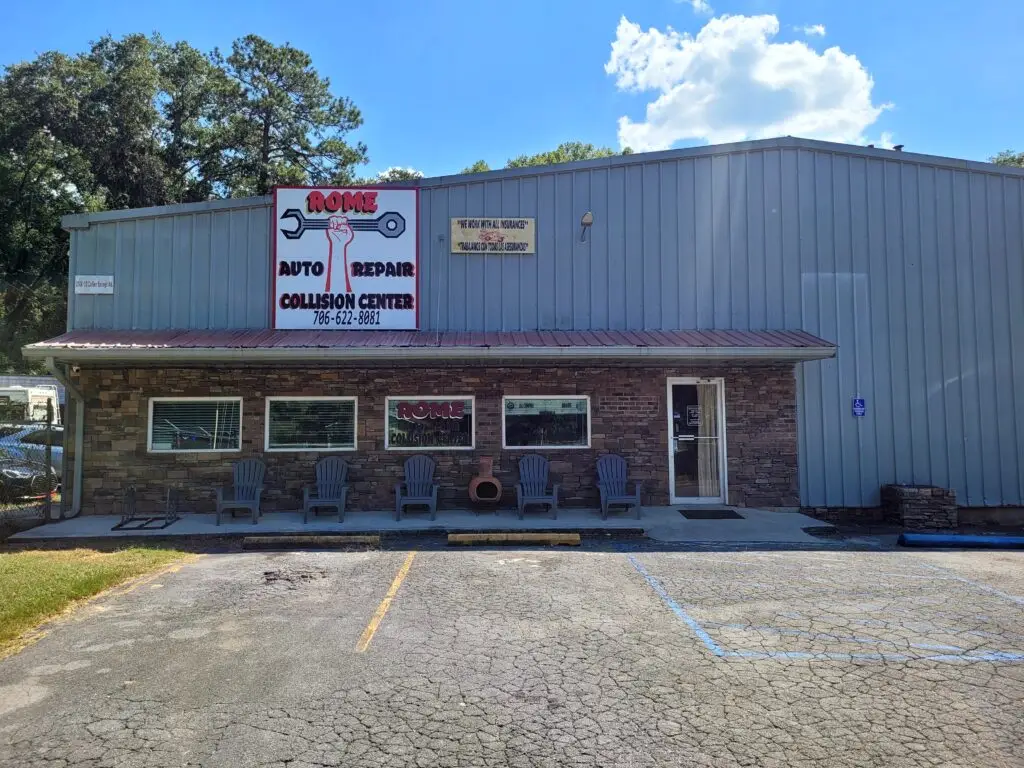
(37, 585)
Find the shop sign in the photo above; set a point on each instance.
(94, 284)
(494, 236)
(345, 258)
(693, 415)
(548, 406)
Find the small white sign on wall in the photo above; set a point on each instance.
(94, 284)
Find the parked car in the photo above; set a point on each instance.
(28, 443)
(24, 479)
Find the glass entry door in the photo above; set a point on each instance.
(697, 469)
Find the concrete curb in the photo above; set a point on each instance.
(301, 541)
(529, 537)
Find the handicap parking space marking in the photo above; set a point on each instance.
(948, 653)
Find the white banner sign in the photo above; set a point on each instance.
(94, 284)
(345, 258)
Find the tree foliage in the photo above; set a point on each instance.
(284, 125)
(479, 166)
(1009, 157)
(137, 121)
(393, 175)
(566, 152)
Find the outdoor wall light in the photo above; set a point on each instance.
(585, 223)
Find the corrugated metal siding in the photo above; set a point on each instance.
(916, 269)
(209, 269)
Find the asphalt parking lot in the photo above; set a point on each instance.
(534, 658)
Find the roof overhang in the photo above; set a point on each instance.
(197, 355)
(268, 346)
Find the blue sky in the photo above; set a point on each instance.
(442, 83)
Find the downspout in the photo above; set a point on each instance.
(76, 487)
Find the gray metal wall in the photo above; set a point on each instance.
(913, 265)
(206, 267)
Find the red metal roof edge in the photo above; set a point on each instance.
(300, 339)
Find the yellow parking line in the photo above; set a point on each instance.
(382, 609)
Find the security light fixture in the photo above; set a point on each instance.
(585, 222)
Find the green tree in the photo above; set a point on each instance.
(135, 122)
(41, 179)
(121, 107)
(480, 166)
(393, 175)
(1008, 157)
(567, 152)
(194, 99)
(284, 124)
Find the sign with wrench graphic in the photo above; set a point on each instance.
(345, 258)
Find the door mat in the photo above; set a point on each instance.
(710, 514)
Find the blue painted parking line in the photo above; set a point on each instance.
(833, 638)
(975, 584)
(957, 654)
(677, 609)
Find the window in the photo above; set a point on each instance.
(179, 424)
(546, 422)
(311, 424)
(434, 423)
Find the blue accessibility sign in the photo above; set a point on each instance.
(860, 406)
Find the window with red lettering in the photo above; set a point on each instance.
(431, 422)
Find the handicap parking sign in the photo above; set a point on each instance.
(859, 406)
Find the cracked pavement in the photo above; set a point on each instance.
(535, 658)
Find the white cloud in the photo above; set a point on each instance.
(885, 141)
(699, 6)
(732, 82)
(812, 30)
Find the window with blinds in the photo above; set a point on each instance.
(311, 424)
(195, 424)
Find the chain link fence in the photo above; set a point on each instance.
(31, 464)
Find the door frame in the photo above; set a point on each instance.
(723, 474)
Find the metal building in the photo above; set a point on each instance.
(903, 275)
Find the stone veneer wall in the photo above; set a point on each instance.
(920, 507)
(628, 416)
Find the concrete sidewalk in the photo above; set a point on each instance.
(659, 523)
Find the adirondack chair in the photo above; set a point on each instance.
(245, 492)
(611, 481)
(331, 488)
(419, 488)
(532, 487)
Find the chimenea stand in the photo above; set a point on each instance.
(485, 488)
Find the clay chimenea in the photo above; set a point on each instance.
(485, 487)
